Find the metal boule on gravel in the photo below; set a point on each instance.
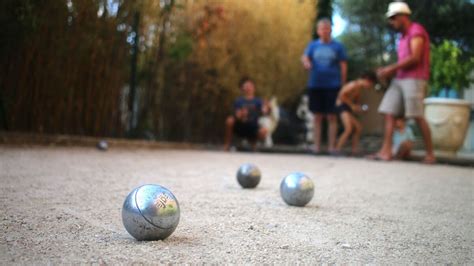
(102, 145)
(150, 212)
(248, 175)
(297, 189)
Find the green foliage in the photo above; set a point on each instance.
(448, 69)
(229, 39)
(324, 9)
(181, 48)
(18, 19)
(66, 65)
(447, 19)
(62, 67)
(370, 42)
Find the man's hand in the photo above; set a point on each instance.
(416, 47)
(356, 108)
(386, 72)
(242, 114)
(306, 63)
(266, 107)
(343, 66)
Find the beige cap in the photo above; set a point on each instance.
(396, 8)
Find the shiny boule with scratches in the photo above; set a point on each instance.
(297, 189)
(248, 175)
(150, 212)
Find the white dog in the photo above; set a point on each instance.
(270, 121)
(305, 114)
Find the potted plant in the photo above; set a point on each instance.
(447, 116)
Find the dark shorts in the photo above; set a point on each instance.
(247, 130)
(323, 100)
(344, 108)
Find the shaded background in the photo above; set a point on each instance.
(168, 69)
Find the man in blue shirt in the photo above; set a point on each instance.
(326, 61)
(247, 111)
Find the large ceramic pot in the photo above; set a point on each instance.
(448, 120)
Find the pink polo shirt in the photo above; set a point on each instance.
(422, 69)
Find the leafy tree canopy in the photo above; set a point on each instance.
(370, 41)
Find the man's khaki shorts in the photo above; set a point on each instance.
(404, 97)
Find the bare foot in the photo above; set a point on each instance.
(356, 153)
(379, 157)
(315, 150)
(429, 159)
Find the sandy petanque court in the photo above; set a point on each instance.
(63, 205)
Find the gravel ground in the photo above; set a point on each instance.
(63, 205)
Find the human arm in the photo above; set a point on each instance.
(343, 65)
(306, 62)
(265, 107)
(342, 55)
(416, 48)
(240, 112)
(345, 96)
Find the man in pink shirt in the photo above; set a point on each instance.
(404, 98)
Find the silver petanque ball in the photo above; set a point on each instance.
(365, 107)
(297, 189)
(102, 145)
(150, 212)
(248, 175)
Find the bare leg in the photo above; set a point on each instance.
(385, 153)
(318, 118)
(332, 132)
(356, 136)
(262, 133)
(229, 127)
(404, 150)
(346, 121)
(253, 144)
(426, 133)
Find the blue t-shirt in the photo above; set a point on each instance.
(325, 59)
(254, 107)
